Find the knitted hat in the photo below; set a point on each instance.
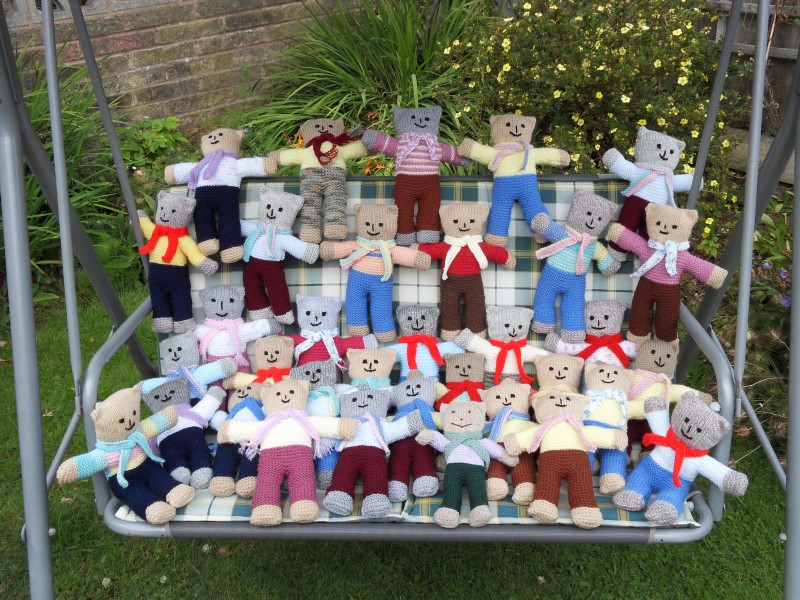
(227, 140)
(696, 424)
(602, 376)
(656, 356)
(116, 417)
(508, 323)
(223, 301)
(415, 319)
(604, 317)
(415, 386)
(507, 394)
(273, 351)
(366, 363)
(657, 149)
(376, 221)
(314, 127)
(287, 393)
(559, 370)
(417, 120)
(668, 223)
(278, 207)
(174, 210)
(318, 313)
(590, 213)
(463, 218)
(177, 350)
(468, 366)
(463, 416)
(512, 129)
(359, 402)
(319, 373)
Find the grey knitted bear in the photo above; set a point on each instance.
(180, 358)
(418, 347)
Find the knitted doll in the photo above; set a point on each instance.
(369, 368)
(265, 247)
(603, 341)
(652, 179)
(323, 164)
(607, 387)
(513, 162)
(322, 401)
(370, 260)
(183, 446)
(568, 259)
(123, 452)
(365, 454)
(464, 375)
(232, 470)
(464, 255)
(564, 444)
(169, 248)
(664, 258)
(507, 348)
(507, 411)
(467, 455)
(180, 358)
(224, 332)
(559, 372)
(286, 443)
(418, 348)
(418, 154)
(407, 456)
(216, 180)
(681, 450)
(273, 357)
(318, 318)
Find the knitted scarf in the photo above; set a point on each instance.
(649, 378)
(272, 421)
(275, 373)
(409, 142)
(495, 426)
(196, 389)
(271, 230)
(612, 342)
(471, 242)
(504, 150)
(598, 397)
(212, 161)
(573, 238)
(655, 171)
(505, 347)
(125, 448)
(667, 252)
(682, 451)
(456, 388)
(471, 439)
(325, 158)
(256, 407)
(173, 234)
(424, 411)
(325, 445)
(231, 327)
(373, 383)
(185, 410)
(367, 246)
(576, 424)
(429, 341)
(377, 430)
(325, 336)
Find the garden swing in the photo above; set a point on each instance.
(211, 519)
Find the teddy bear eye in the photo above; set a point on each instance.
(522, 125)
(134, 413)
(280, 209)
(213, 300)
(230, 300)
(552, 368)
(319, 371)
(672, 151)
(658, 223)
(508, 124)
(674, 226)
(410, 318)
(413, 117)
(220, 134)
(367, 223)
(364, 361)
(566, 368)
(589, 213)
(380, 224)
(606, 317)
(156, 396)
(324, 313)
(423, 317)
(308, 373)
(122, 420)
(552, 397)
(308, 313)
(686, 420)
(508, 325)
(652, 351)
(455, 221)
(513, 395)
(658, 146)
(427, 118)
(602, 370)
(668, 355)
(174, 211)
(591, 318)
(179, 349)
(355, 399)
(369, 396)
(698, 430)
(472, 220)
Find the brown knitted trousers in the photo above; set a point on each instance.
(522, 473)
(470, 289)
(410, 189)
(572, 465)
(665, 299)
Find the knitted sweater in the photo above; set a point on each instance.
(372, 263)
(392, 432)
(307, 159)
(288, 432)
(202, 374)
(319, 352)
(418, 161)
(187, 247)
(492, 353)
(283, 243)
(607, 413)
(656, 191)
(701, 269)
(229, 173)
(463, 454)
(512, 164)
(205, 409)
(567, 258)
(562, 436)
(465, 262)
(601, 354)
(222, 344)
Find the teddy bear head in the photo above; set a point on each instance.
(555, 403)
(318, 373)
(227, 140)
(417, 120)
(118, 416)
(605, 376)
(559, 370)
(178, 350)
(463, 218)
(174, 210)
(273, 351)
(279, 208)
(416, 386)
(376, 221)
(318, 313)
(508, 323)
(669, 223)
(512, 128)
(604, 317)
(252, 390)
(315, 127)
(590, 213)
(696, 424)
(463, 417)
(222, 302)
(655, 148)
(366, 363)
(656, 356)
(287, 393)
(415, 319)
(468, 366)
(507, 394)
(358, 403)
(170, 393)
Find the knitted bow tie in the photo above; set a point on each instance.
(456, 388)
(612, 342)
(505, 347)
(212, 162)
(272, 421)
(429, 341)
(229, 326)
(668, 252)
(173, 235)
(275, 373)
(573, 238)
(495, 426)
(682, 451)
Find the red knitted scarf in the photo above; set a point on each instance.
(173, 234)
(429, 341)
(316, 142)
(274, 373)
(459, 387)
(506, 347)
(682, 451)
(612, 342)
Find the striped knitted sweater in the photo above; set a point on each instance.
(418, 161)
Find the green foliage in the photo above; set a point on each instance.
(149, 143)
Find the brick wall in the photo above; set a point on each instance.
(187, 58)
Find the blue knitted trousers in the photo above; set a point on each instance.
(572, 288)
(148, 483)
(506, 191)
(611, 461)
(185, 448)
(170, 291)
(649, 477)
(216, 215)
(228, 458)
(361, 287)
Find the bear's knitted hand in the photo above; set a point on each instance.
(615, 231)
(208, 266)
(347, 428)
(512, 445)
(356, 131)
(217, 392)
(326, 250)
(735, 483)
(563, 158)
(717, 277)
(655, 404)
(612, 268)
(369, 138)
(169, 175)
(424, 437)
(223, 435)
(509, 460)
(540, 223)
(228, 366)
(370, 341)
(422, 261)
(511, 262)
(464, 338)
(141, 214)
(311, 254)
(620, 440)
(271, 163)
(465, 147)
(415, 424)
(67, 472)
(610, 157)
(551, 342)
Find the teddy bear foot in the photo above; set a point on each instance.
(358, 330)
(496, 488)
(637, 339)
(523, 494)
(428, 236)
(405, 239)
(162, 324)
(479, 516)
(496, 240)
(440, 463)
(200, 478)
(449, 336)
(304, 511)
(376, 506)
(159, 512)
(285, 318)
(310, 235)
(324, 479)
(180, 495)
(446, 517)
(266, 515)
(543, 511)
(232, 255)
(335, 231)
(222, 487)
(260, 313)
(339, 503)
(540, 327)
(586, 517)
(209, 247)
(426, 486)
(386, 336)
(398, 491)
(611, 483)
(184, 326)
(246, 487)
(573, 337)
(181, 474)
(661, 513)
(628, 500)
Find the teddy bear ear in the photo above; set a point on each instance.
(303, 383)
(95, 414)
(350, 353)
(483, 210)
(681, 146)
(339, 123)
(391, 209)
(493, 118)
(723, 424)
(641, 131)
(240, 133)
(357, 208)
(692, 216)
(533, 122)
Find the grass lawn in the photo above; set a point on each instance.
(741, 558)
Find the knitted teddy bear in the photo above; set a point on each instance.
(681, 450)
(224, 332)
(507, 411)
(652, 179)
(286, 442)
(407, 456)
(507, 348)
(464, 255)
(318, 318)
(216, 180)
(512, 160)
(123, 452)
(169, 248)
(265, 247)
(665, 257)
(370, 260)
(607, 387)
(365, 454)
(467, 454)
(418, 154)
(183, 446)
(368, 368)
(418, 348)
(273, 357)
(603, 341)
(564, 443)
(323, 168)
(568, 257)
(559, 372)
(464, 375)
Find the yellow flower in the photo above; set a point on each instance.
(707, 230)
(601, 68)
(580, 122)
(662, 121)
(630, 151)
(625, 29)
(488, 69)
(527, 6)
(677, 32)
(725, 143)
(471, 84)
(561, 67)
(456, 42)
(575, 157)
(598, 95)
(713, 183)
(597, 146)
(709, 220)
(557, 94)
(695, 133)
(447, 50)
(456, 115)
(548, 139)
(622, 51)
(688, 169)
(466, 109)
(683, 80)
(625, 99)
(506, 67)
(506, 42)
(721, 124)
(642, 122)
(684, 121)
(648, 106)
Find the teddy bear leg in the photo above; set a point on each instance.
(611, 483)
(586, 517)
(180, 495)
(496, 488)
(304, 511)
(426, 486)
(286, 318)
(496, 240)
(449, 336)
(181, 474)
(629, 500)
(637, 339)
(339, 503)
(618, 255)
(543, 510)
(573, 337)
(357, 330)
(335, 193)
(261, 313)
(200, 478)
(386, 336)
(162, 324)
(479, 516)
(398, 491)
(376, 506)
(661, 512)
(440, 463)
(324, 479)
(221, 487)
(209, 247)
(428, 236)
(540, 327)
(335, 231)
(310, 234)
(406, 239)
(246, 486)
(266, 515)
(446, 517)
(523, 493)
(159, 512)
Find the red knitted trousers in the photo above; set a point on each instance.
(294, 462)
(572, 465)
(366, 462)
(631, 215)
(408, 456)
(410, 189)
(265, 284)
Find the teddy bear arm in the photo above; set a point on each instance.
(682, 183)
(207, 406)
(146, 225)
(238, 432)
(622, 167)
(605, 262)
(209, 372)
(437, 250)
(635, 409)
(82, 466)
(550, 156)
(496, 253)
(657, 419)
(438, 441)
(345, 344)
(251, 167)
(293, 156)
(298, 248)
(713, 470)
(450, 155)
(629, 348)
(405, 257)
(441, 390)
(160, 422)
(326, 426)
(382, 144)
(467, 340)
(632, 242)
(179, 173)
(217, 419)
(706, 272)
(600, 436)
(353, 150)
(256, 329)
(247, 227)
(480, 152)
(677, 390)
(189, 247)
(399, 429)
(494, 449)
(338, 250)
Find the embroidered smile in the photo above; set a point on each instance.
(659, 363)
(221, 314)
(686, 435)
(132, 425)
(317, 324)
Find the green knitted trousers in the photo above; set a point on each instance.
(457, 475)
